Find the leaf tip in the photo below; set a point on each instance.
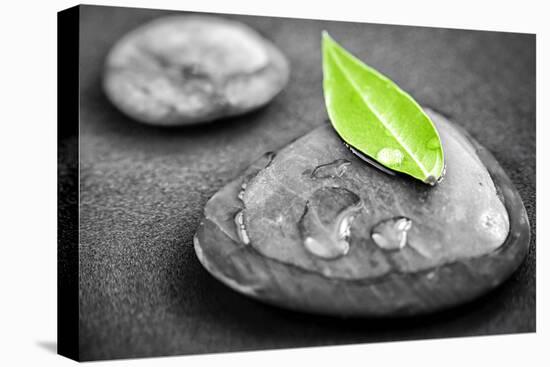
(430, 180)
(326, 38)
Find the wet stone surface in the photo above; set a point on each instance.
(328, 233)
(180, 70)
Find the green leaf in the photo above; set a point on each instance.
(377, 118)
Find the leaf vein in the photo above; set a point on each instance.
(396, 135)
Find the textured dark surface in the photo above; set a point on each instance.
(144, 293)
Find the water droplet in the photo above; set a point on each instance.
(320, 248)
(433, 143)
(390, 157)
(391, 234)
(443, 173)
(331, 170)
(241, 229)
(431, 180)
(326, 223)
(241, 192)
(370, 161)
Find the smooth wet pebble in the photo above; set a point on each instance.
(187, 69)
(327, 233)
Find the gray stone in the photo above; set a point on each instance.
(179, 70)
(327, 233)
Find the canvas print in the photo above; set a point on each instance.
(233, 182)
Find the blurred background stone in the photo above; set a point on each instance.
(181, 70)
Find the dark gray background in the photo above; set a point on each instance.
(142, 290)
